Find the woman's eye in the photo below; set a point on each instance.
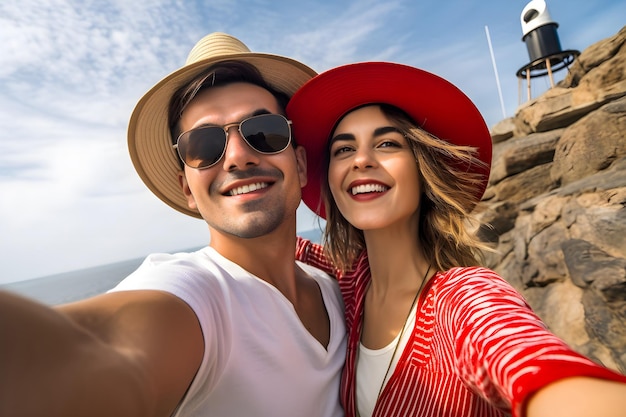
(341, 149)
(389, 144)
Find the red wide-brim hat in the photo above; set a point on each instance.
(435, 104)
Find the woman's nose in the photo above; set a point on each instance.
(364, 158)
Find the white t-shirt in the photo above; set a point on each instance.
(372, 365)
(259, 359)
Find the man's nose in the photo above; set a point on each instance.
(238, 153)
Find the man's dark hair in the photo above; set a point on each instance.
(222, 73)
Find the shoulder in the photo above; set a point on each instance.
(464, 287)
(328, 285)
(163, 270)
(325, 281)
(475, 277)
(199, 278)
(469, 293)
(163, 261)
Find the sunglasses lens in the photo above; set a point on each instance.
(202, 147)
(267, 133)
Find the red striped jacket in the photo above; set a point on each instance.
(477, 348)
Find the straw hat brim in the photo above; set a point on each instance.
(435, 104)
(149, 139)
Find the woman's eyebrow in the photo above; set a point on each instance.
(386, 129)
(342, 136)
(377, 132)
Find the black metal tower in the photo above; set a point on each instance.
(544, 47)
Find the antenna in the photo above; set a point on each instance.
(495, 70)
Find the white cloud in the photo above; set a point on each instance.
(340, 35)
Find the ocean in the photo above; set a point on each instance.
(75, 285)
(84, 283)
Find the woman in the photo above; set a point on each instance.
(398, 159)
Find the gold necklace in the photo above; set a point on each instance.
(395, 350)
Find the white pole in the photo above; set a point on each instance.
(495, 70)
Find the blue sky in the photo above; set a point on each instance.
(71, 72)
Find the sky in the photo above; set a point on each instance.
(71, 72)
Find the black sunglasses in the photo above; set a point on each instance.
(204, 146)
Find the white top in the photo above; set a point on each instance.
(372, 365)
(259, 358)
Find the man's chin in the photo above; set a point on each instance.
(250, 225)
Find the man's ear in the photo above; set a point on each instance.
(301, 165)
(184, 185)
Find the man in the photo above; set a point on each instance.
(237, 328)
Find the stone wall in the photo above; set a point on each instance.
(556, 203)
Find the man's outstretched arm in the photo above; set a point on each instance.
(128, 353)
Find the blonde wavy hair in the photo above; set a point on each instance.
(446, 226)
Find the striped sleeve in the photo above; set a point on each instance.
(503, 349)
(313, 254)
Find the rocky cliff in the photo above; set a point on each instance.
(556, 203)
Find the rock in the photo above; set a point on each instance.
(517, 156)
(597, 139)
(503, 130)
(555, 207)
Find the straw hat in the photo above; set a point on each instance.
(149, 139)
(435, 104)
